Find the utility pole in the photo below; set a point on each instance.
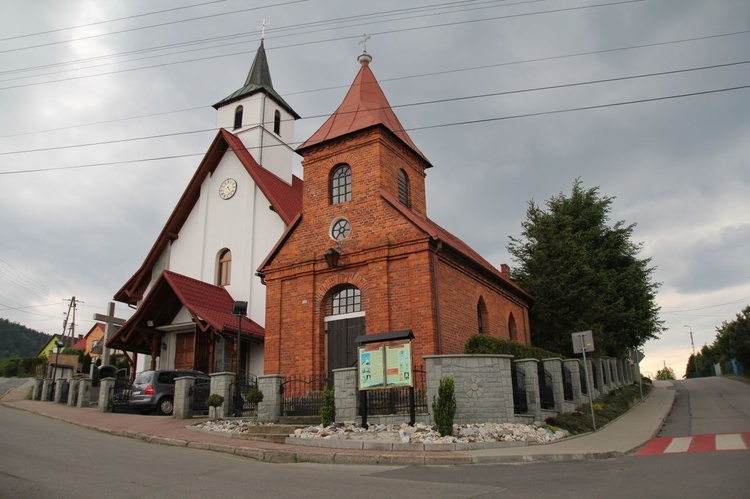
(695, 360)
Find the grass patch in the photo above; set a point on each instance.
(606, 408)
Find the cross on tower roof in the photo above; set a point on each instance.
(263, 29)
(363, 42)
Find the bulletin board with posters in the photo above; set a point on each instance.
(385, 365)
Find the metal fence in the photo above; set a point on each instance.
(199, 393)
(584, 385)
(520, 403)
(567, 378)
(239, 406)
(397, 400)
(594, 375)
(546, 393)
(64, 390)
(303, 396)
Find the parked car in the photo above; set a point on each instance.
(154, 390)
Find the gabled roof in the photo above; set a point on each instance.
(258, 80)
(437, 233)
(98, 325)
(365, 105)
(285, 199)
(80, 344)
(208, 304)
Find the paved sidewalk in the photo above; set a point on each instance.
(620, 437)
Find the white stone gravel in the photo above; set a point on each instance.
(420, 433)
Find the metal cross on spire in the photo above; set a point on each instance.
(363, 42)
(263, 29)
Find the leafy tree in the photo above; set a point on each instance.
(665, 374)
(733, 338)
(584, 274)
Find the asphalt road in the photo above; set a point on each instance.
(41, 457)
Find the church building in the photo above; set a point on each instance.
(240, 201)
(364, 258)
(348, 252)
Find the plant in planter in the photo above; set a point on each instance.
(328, 409)
(254, 396)
(215, 403)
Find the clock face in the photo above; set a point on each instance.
(228, 188)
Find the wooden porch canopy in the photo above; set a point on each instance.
(209, 306)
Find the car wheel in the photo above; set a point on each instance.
(165, 406)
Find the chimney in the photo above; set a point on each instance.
(505, 270)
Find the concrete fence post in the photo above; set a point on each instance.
(346, 394)
(221, 384)
(84, 392)
(269, 411)
(106, 387)
(183, 407)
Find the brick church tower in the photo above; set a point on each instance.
(363, 258)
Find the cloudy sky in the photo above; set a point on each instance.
(105, 112)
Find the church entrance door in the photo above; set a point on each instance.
(342, 352)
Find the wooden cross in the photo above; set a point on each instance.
(363, 42)
(111, 321)
(263, 29)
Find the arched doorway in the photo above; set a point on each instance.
(344, 321)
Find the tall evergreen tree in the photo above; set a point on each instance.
(584, 274)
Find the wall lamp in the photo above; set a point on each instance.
(332, 257)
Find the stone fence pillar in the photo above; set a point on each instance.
(554, 367)
(73, 391)
(616, 381)
(60, 385)
(269, 410)
(38, 388)
(346, 394)
(575, 376)
(183, 407)
(221, 384)
(106, 387)
(84, 392)
(529, 368)
(47, 389)
(600, 379)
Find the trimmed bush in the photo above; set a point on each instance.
(214, 400)
(254, 396)
(328, 409)
(444, 407)
(489, 345)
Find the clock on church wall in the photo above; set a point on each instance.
(227, 188)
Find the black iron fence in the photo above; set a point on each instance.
(520, 402)
(64, 390)
(199, 393)
(567, 377)
(594, 375)
(397, 400)
(584, 385)
(120, 393)
(239, 405)
(546, 393)
(303, 396)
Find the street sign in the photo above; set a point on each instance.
(583, 341)
(637, 356)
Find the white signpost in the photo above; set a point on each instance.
(584, 342)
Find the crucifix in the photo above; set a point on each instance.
(111, 321)
(263, 29)
(363, 42)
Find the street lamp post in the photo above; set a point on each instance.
(240, 310)
(695, 360)
(58, 344)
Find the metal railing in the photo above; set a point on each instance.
(241, 407)
(520, 402)
(397, 400)
(303, 396)
(199, 393)
(567, 378)
(546, 393)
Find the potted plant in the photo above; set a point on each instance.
(215, 403)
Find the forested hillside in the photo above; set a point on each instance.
(18, 340)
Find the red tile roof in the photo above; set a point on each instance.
(365, 105)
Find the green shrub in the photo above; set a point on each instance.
(214, 400)
(489, 345)
(328, 409)
(444, 407)
(254, 396)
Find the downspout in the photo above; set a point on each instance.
(436, 292)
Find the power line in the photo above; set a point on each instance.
(436, 101)
(443, 125)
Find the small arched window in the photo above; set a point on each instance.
(341, 184)
(238, 117)
(346, 301)
(512, 331)
(224, 268)
(277, 122)
(403, 187)
(481, 316)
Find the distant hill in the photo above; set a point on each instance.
(18, 340)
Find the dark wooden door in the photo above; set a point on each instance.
(185, 355)
(342, 352)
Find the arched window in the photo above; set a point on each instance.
(512, 331)
(403, 187)
(277, 122)
(346, 301)
(341, 184)
(238, 117)
(481, 317)
(224, 267)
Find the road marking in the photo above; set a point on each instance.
(730, 442)
(696, 443)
